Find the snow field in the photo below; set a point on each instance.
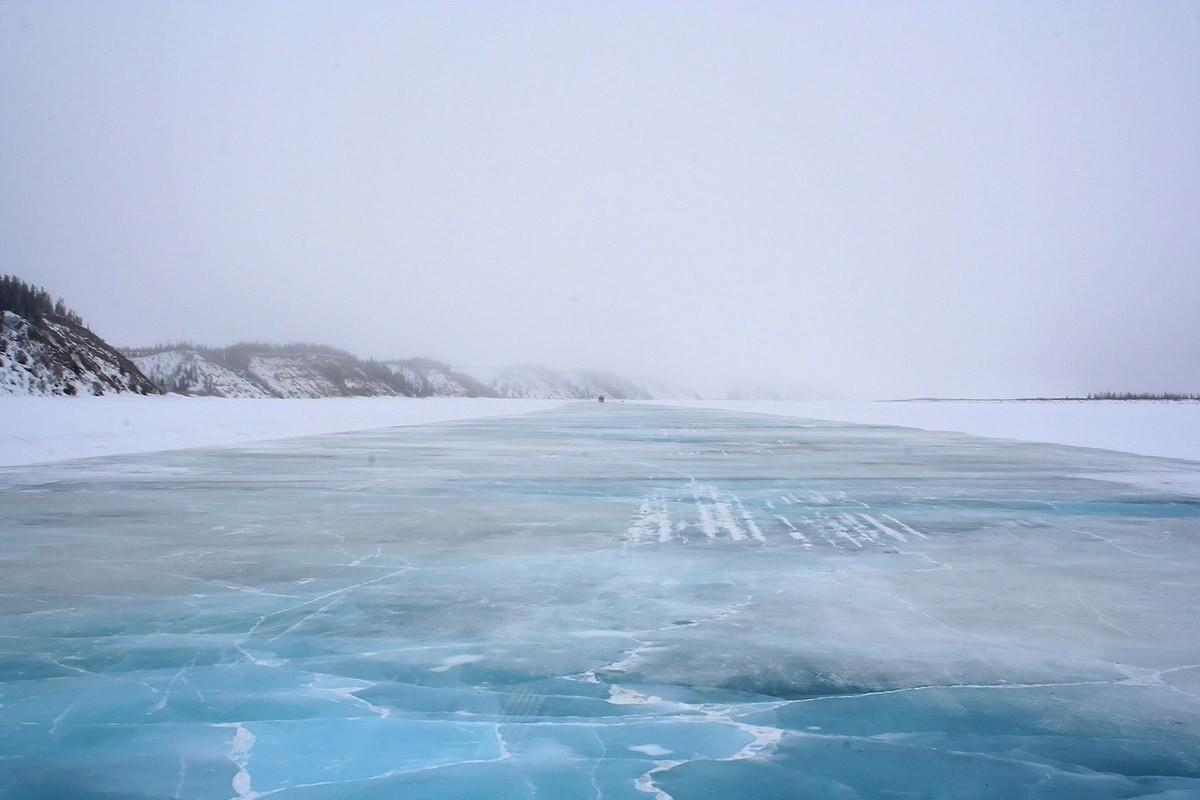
(38, 429)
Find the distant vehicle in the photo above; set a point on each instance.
(600, 399)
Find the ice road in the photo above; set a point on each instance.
(622, 602)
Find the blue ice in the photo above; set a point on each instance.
(601, 602)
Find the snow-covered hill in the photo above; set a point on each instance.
(428, 378)
(190, 372)
(298, 370)
(53, 354)
(264, 370)
(317, 375)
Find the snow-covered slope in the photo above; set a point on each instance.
(189, 372)
(56, 355)
(316, 375)
(425, 377)
(260, 370)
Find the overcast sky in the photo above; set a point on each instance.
(877, 199)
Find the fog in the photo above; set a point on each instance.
(874, 199)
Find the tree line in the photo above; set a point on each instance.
(32, 302)
(1143, 396)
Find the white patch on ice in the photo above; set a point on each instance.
(640, 526)
(904, 527)
(58, 720)
(239, 754)
(755, 532)
(650, 749)
(833, 526)
(451, 662)
(645, 783)
(347, 694)
(793, 531)
(725, 518)
(763, 737)
(707, 524)
(863, 531)
(664, 521)
(652, 517)
(724, 515)
(620, 696)
(900, 537)
(598, 633)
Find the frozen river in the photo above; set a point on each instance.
(618, 602)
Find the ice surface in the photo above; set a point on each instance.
(611, 601)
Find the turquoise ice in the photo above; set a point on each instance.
(613, 601)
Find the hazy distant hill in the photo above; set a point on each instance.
(46, 349)
(544, 382)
